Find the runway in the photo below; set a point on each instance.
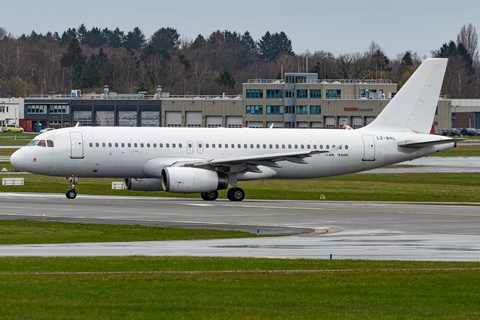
(306, 229)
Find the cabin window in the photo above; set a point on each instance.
(346, 147)
(233, 146)
(289, 146)
(174, 145)
(160, 145)
(245, 146)
(90, 144)
(264, 146)
(179, 145)
(167, 145)
(258, 146)
(283, 146)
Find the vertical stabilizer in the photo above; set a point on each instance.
(413, 107)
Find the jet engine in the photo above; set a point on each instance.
(189, 180)
(149, 184)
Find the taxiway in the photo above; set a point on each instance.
(305, 229)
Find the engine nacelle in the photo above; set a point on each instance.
(189, 180)
(148, 184)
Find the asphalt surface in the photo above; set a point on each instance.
(305, 229)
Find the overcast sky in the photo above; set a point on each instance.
(336, 26)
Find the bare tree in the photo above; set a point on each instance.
(469, 38)
(200, 71)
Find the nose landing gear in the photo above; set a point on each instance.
(72, 194)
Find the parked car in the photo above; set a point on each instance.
(46, 129)
(469, 132)
(12, 128)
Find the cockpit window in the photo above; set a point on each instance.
(41, 143)
(32, 143)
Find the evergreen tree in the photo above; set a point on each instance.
(226, 79)
(115, 38)
(74, 59)
(135, 40)
(272, 46)
(198, 42)
(91, 73)
(167, 39)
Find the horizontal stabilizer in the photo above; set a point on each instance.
(423, 144)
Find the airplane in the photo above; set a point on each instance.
(205, 160)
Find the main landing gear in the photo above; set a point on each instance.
(234, 194)
(72, 194)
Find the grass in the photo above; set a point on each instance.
(413, 187)
(29, 232)
(235, 288)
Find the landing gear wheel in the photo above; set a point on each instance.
(236, 194)
(71, 194)
(209, 196)
(73, 181)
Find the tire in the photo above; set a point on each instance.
(236, 194)
(71, 194)
(210, 196)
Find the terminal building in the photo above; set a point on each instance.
(300, 100)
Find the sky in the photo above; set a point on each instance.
(336, 26)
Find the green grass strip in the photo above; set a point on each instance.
(40, 232)
(233, 288)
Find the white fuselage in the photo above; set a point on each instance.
(124, 152)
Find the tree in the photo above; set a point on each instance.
(225, 79)
(468, 37)
(198, 42)
(115, 38)
(167, 39)
(91, 73)
(16, 87)
(74, 59)
(272, 46)
(135, 40)
(94, 38)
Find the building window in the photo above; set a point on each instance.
(290, 109)
(254, 93)
(59, 108)
(315, 109)
(315, 93)
(301, 93)
(333, 93)
(35, 108)
(274, 94)
(289, 94)
(302, 110)
(274, 109)
(254, 110)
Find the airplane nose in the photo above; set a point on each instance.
(17, 159)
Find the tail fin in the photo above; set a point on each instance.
(413, 107)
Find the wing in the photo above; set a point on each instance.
(251, 163)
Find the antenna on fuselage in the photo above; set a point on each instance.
(78, 124)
